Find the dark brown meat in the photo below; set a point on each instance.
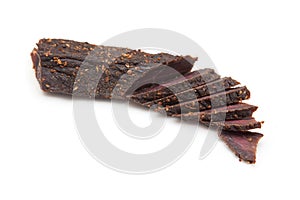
(231, 112)
(196, 92)
(228, 97)
(57, 62)
(242, 143)
(184, 83)
(162, 81)
(235, 125)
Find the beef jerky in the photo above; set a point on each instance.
(242, 143)
(81, 51)
(191, 80)
(231, 96)
(196, 92)
(231, 112)
(57, 62)
(147, 74)
(153, 87)
(235, 125)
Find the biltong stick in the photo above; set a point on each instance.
(57, 62)
(190, 80)
(231, 112)
(196, 92)
(162, 81)
(242, 143)
(228, 97)
(235, 125)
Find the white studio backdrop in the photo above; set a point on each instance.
(255, 42)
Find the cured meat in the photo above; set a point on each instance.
(242, 143)
(57, 62)
(228, 97)
(189, 81)
(196, 92)
(235, 125)
(162, 81)
(145, 75)
(231, 112)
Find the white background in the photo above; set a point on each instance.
(256, 42)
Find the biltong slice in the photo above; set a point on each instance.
(235, 125)
(189, 81)
(242, 143)
(147, 74)
(196, 92)
(231, 112)
(231, 96)
(57, 62)
(139, 76)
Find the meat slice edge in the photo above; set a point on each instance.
(242, 143)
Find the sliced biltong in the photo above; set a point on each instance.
(228, 97)
(231, 112)
(144, 75)
(160, 80)
(196, 92)
(242, 143)
(235, 125)
(57, 62)
(184, 83)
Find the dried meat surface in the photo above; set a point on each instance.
(231, 112)
(242, 143)
(235, 125)
(190, 93)
(162, 81)
(231, 96)
(182, 84)
(57, 63)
